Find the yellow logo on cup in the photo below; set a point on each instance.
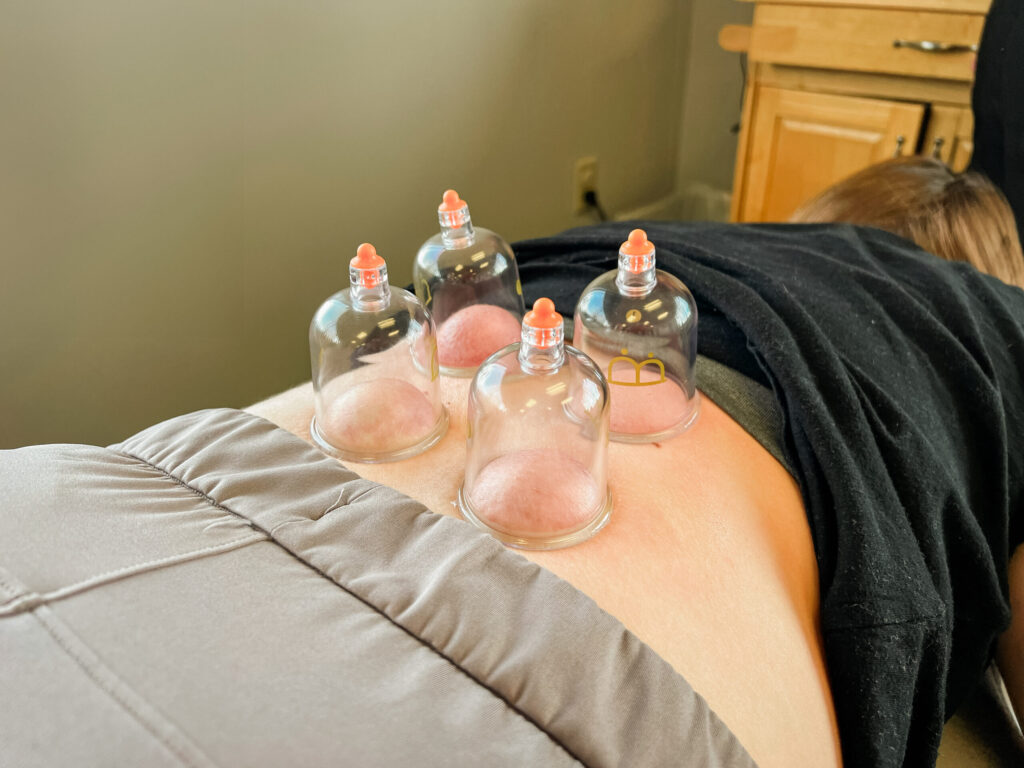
(652, 361)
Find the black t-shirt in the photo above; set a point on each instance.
(901, 381)
(998, 102)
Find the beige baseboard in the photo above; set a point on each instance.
(696, 202)
(702, 202)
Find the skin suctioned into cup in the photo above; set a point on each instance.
(647, 409)
(378, 416)
(473, 333)
(535, 492)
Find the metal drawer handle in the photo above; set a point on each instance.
(932, 46)
(900, 141)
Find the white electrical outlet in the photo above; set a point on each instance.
(584, 179)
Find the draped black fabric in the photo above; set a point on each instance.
(998, 102)
(901, 379)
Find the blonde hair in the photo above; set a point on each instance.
(960, 217)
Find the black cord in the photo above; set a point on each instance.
(743, 76)
(590, 198)
(743, 89)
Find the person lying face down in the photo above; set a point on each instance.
(958, 216)
(823, 555)
(766, 587)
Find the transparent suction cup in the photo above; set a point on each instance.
(640, 325)
(468, 278)
(375, 369)
(538, 440)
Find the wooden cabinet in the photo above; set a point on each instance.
(837, 85)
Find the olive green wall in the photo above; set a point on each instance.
(712, 102)
(183, 182)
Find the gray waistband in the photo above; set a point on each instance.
(750, 404)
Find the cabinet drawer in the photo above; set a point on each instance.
(965, 6)
(864, 40)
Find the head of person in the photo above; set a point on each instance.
(958, 216)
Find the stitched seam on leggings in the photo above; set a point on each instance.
(30, 600)
(497, 694)
(97, 671)
(11, 587)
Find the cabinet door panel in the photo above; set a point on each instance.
(963, 150)
(940, 137)
(963, 147)
(800, 143)
(949, 136)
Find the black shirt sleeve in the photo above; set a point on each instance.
(998, 103)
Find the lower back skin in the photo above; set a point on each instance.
(707, 558)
